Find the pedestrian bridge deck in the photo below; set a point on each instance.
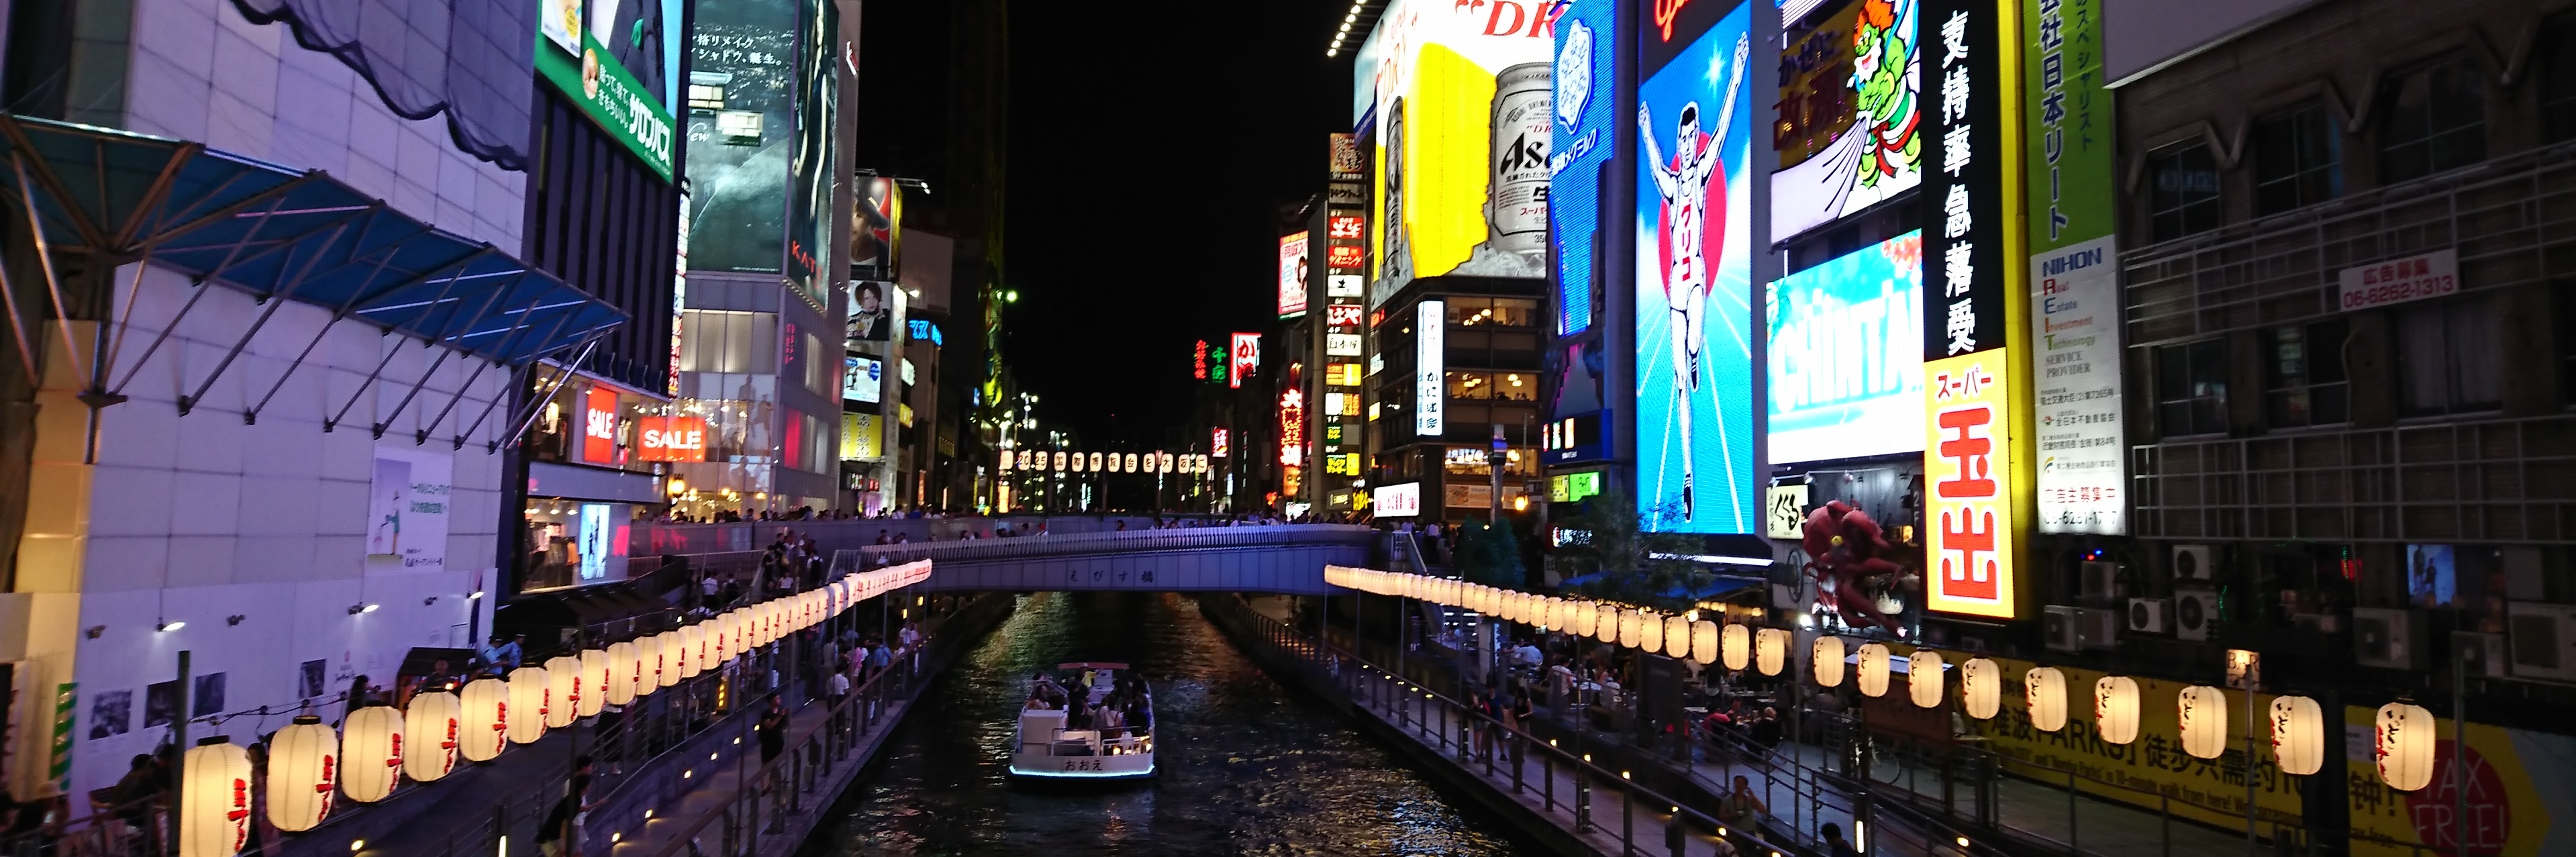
(1283, 559)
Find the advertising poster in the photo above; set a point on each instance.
(1459, 92)
(862, 379)
(619, 61)
(2074, 276)
(861, 438)
(742, 133)
(1846, 355)
(407, 510)
(601, 539)
(1695, 383)
(876, 236)
(1849, 133)
(1292, 275)
(1582, 139)
(1397, 501)
(810, 263)
(671, 438)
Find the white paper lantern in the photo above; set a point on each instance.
(2403, 739)
(728, 636)
(563, 690)
(2115, 709)
(1872, 670)
(2298, 735)
(2200, 714)
(1628, 625)
(648, 665)
(693, 651)
(1650, 632)
(2044, 690)
(485, 730)
(1606, 620)
(598, 674)
(303, 774)
(1579, 615)
(214, 811)
(1736, 646)
(1825, 658)
(625, 667)
(1770, 650)
(1557, 616)
(1981, 688)
(1677, 636)
(1704, 642)
(675, 654)
(371, 753)
(531, 704)
(431, 725)
(1923, 678)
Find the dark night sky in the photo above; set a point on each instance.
(1150, 149)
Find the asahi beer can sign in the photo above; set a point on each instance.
(1518, 201)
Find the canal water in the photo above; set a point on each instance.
(1247, 767)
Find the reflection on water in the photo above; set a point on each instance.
(1245, 768)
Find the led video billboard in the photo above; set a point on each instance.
(619, 61)
(1849, 134)
(1846, 355)
(1695, 456)
(1459, 95)
(1292, 275)
(742, 133)
(1585, 105)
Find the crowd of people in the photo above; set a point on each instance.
(1124, 708)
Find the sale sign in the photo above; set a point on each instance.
(599, 426)
(671, 438)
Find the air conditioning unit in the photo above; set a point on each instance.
(2387, 637)
(2481, 655)
(2543, 640)
(2194, 612)
(2057, 623)
(2191, 562)
(2098, 580)
(2151, 615)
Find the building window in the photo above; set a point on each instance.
(2448, 357)
(2184, 197)
(2304, 381)
(1503, 312)
(2558, 80)
(2433, 119)
(2298, 157)
(2191, 388)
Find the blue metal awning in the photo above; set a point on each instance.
(273, 232)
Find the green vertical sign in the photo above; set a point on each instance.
(2069, 116)
(611, 96)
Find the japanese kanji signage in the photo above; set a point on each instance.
(2082, 469)
(1964, 288)
(1242, 358)
(2398, 280)
(1967, 477)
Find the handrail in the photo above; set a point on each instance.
(782, 781)
(1129, 541)
(1316, 654)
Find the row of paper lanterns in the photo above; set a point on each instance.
(309, 763)
(1640, 628)
(2404, 733)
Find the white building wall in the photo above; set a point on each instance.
(202, 517)
(203, 72)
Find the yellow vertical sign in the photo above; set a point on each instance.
(1970, 508)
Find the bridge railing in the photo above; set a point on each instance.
(1131, 541)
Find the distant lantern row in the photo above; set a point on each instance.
(2403, 734)
(368, 756)
(1066, 461)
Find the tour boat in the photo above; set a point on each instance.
(1044, 749)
